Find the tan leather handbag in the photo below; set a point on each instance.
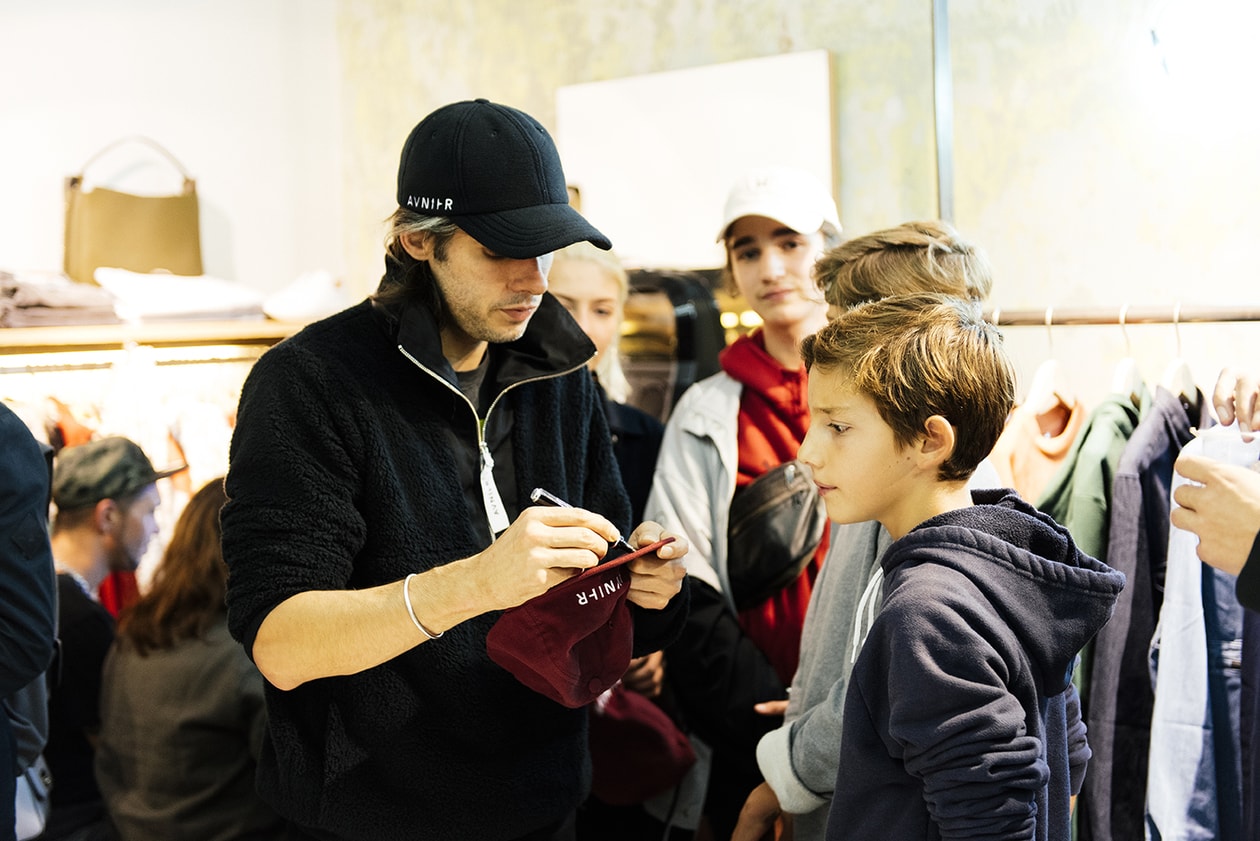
(121, 230)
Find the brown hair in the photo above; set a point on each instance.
(918, 356)
(190, 584)
(913, 257)
(407, 278)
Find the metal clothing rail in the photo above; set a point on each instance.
(1172, 314)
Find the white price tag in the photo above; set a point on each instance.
(495, 511)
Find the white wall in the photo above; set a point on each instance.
(246, 93)
(657, 185)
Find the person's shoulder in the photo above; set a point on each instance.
(16, 435)
(69, 591)
(9, 422)
(338, 339)
(714, 395)
(22, 462)
(717, 383)
(632, 420)
(930, 568)
(78, 611)
(357, 320)
(925, 584)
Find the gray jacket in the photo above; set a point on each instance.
(695, 475)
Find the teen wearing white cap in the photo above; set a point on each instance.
(725, 432)
(377, 519)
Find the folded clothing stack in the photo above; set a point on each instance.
(159, 296)
(47, 299)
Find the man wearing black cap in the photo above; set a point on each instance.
(379, 520)
(106, 495)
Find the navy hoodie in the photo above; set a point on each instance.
(961, 720)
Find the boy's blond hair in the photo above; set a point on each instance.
(913, 257)
(922, 355)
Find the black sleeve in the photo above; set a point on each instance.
(657, 629)
(86, 636)
(27, 600)
(718, 674)
(1248, 586)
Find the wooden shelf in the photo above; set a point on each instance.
(157, 334)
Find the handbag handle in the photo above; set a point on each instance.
(77, 180)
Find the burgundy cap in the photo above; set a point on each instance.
(574, 641)
(637, 751)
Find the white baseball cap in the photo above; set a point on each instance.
(785, 194)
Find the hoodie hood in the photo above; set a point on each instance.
(1027, 566)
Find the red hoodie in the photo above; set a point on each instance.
(773, 419)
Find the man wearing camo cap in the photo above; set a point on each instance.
(106, 497)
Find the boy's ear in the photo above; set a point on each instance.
(419, 245)
(938, 441)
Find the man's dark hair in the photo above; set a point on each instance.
(410, 279)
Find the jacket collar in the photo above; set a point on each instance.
(553, 344)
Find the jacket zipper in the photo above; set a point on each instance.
(493, 502)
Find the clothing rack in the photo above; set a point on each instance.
(1172, 314)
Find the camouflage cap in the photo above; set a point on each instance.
(107, 468)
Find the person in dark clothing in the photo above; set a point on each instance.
(960, 719)
(377, 520)
(106, 496)
(28, 607)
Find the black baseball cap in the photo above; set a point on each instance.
(494, 171)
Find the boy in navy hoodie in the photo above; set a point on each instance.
(961, 720)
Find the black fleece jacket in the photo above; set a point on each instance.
(350, 468)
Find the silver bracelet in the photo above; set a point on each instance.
(411, 611)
